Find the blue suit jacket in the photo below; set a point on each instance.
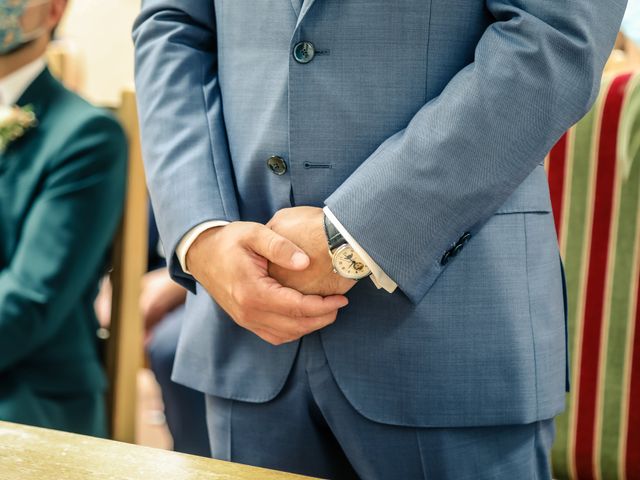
(416, 121)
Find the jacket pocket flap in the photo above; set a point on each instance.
(531, 196)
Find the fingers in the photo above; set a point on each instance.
(258, 302)
(278, 329)
(269, 336)
(279, 314)
(278, 249)
(272, 297)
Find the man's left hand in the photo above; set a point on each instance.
(304, 226)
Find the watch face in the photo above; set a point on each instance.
(348, 264)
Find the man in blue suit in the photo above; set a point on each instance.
(295, 147)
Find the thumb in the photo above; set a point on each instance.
(278, 249)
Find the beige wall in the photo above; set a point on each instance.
(99, 32)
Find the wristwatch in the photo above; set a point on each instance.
(346, 262)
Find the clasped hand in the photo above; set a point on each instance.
(275, 280)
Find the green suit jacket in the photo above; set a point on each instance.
(61, 197)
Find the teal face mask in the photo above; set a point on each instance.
(11, 34)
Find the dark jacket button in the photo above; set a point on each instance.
(456, 250)
(277, 165)
(304, 52)
(445, 258)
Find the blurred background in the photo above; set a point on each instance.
(92, 54)
(98, 34)
(95, 39)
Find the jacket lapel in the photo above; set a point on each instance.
(36, 95)
(39, 92)
(297, 6)
(306, 6)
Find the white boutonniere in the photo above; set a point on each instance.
(14, 123)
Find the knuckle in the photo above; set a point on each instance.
(306, 308)
(300, 309)
(275, 245)
(335, 283)
(297, 311)
(267, 338)
(248, 232)
(301, 331)
(284, 212)
(250, 301)
(277, 216)
(240, 319)
(246, 318)
(240, 296)
(290, 338)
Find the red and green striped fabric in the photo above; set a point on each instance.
(594, 178)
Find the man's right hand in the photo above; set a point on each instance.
(231, 263)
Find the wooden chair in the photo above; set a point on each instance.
(64, 62)
(594, 179)
(124, 353)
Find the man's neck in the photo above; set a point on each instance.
(23, 56)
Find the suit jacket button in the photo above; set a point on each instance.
(445, 258)
(277, 165)
(304, 52)
(464, 238)
(456, 250)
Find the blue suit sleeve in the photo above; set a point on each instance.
(183, 135)
(536, 71)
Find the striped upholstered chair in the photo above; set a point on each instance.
(594, 177)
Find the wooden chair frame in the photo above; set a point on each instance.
(124, 352)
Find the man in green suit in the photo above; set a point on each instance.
(62, 177)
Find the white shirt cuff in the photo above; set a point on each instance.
(378, 277)
(190, 237)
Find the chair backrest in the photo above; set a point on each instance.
(594, 178)
(124, 353)
(65, 63)
(124, 347)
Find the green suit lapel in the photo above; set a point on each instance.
(38, 95)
